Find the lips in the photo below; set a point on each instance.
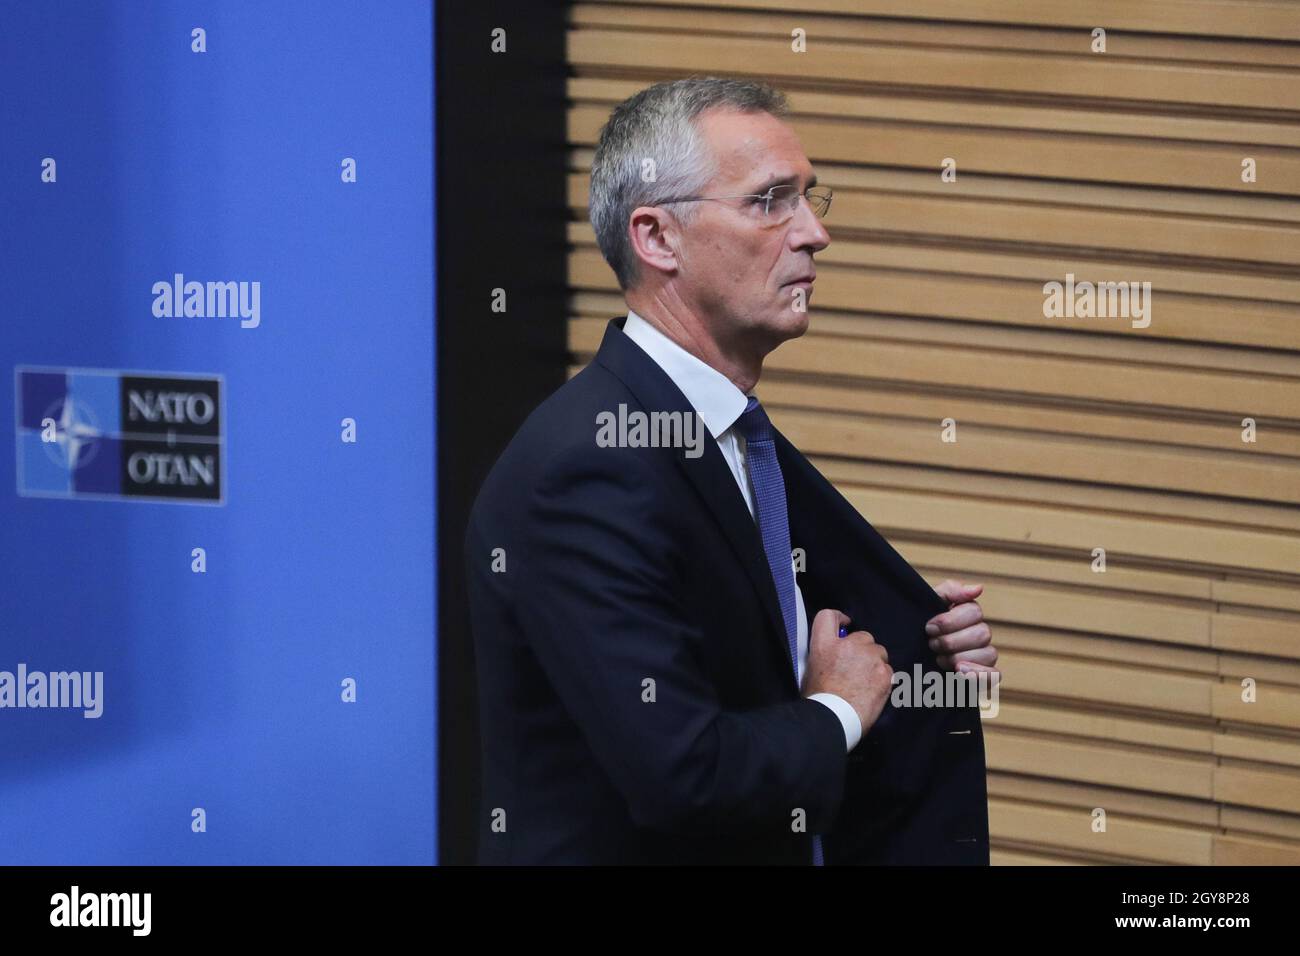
(807, 278)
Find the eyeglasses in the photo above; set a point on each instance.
(779, 203)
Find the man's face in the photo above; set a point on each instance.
(736, 268)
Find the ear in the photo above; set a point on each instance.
(655, 237)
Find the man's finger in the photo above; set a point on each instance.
(965, 639)
(954, 619)
(970, 667)
(955, 592)
(980, 656)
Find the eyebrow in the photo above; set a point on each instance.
(782, 181)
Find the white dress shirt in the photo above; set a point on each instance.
(719, 403)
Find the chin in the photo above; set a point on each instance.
(770, 329)
(791, 324)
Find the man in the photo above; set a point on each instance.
(658, 684)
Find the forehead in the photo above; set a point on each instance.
(753, 147)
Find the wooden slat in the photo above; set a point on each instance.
(1226, 242)
(938, 112)
(1012, 858)
(1274, 706)
(1060, 720)
(1268, 790)
(966, 298)
(1098, 461)
(1235, 668)
(1085, 683)
(1244, 851)
(1131, 803)
(1041, 155)
(1083, 76)
(1258, 20)
(874, 402)
(1091, 498)
(1262, 749)
(1254, 207)
(1083, 641)
(931, 33)
(1240, 821)
(1059, 528)
(1125, 838)
(594, 309)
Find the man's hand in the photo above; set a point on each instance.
(959, 636)
(854, 666)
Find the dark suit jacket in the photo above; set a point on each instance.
(636, 694)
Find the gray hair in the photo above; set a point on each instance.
(658, 124)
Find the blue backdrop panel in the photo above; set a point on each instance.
(223, 690)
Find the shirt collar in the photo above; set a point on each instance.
(714, 397)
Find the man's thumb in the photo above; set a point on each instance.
(830, 619)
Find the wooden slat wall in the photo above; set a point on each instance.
(1122, 689)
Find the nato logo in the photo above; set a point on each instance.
(95, 433)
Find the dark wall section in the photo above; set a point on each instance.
(500, 146)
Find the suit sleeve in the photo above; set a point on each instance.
(600, 602)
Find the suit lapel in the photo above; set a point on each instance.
(709, 474)
(851, 564)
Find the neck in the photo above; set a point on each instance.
(742, 366)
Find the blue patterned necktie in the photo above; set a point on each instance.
(774, 526)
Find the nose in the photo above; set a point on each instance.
(807, 231)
